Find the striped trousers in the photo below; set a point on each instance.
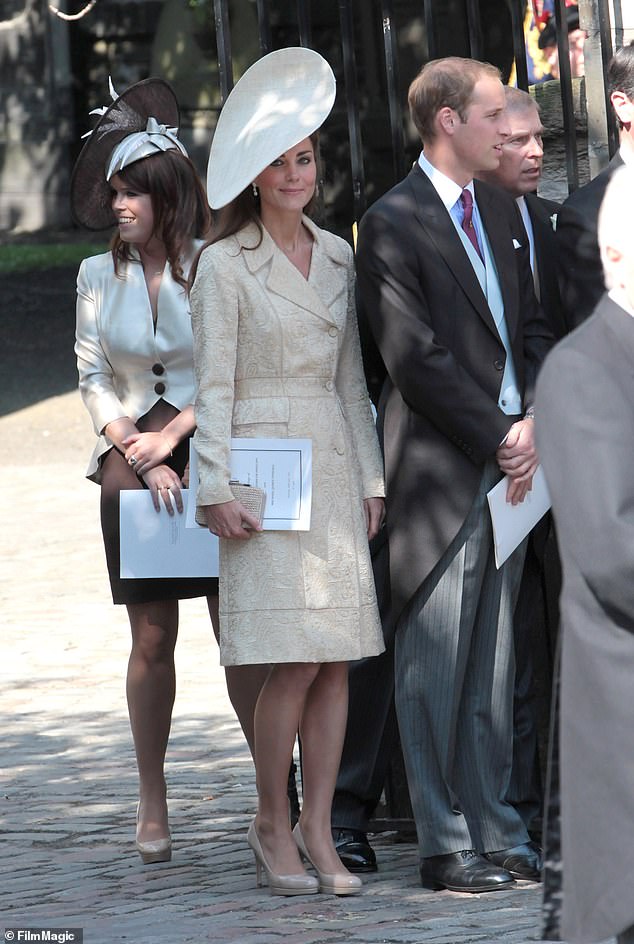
(454, 675)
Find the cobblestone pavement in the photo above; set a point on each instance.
(68, 787)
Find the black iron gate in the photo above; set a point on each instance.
(472, 37)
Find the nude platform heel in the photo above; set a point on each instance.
(301, 884)
(156, 850)
(330, 883)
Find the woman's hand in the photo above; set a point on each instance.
(164, 484)
(374, 509)
(231, 520)
(147, 450)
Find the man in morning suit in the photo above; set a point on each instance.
(581, 272)
(585, 431)
(446, 287)
(536, 614)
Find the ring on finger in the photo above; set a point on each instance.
(133, 460)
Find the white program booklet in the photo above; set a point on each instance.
(511, 523)
(282, 467)
(156, 544)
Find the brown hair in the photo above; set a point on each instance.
(445, 83)
(244, 209)
(179, 204)
(620, 74)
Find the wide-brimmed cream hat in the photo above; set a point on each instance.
(280, 100)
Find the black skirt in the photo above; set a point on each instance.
(116, 474)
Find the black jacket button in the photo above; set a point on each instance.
(159, 388)
(158, 369)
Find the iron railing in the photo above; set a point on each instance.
(388, 61)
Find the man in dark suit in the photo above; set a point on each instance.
(585, 431)
(447, 290)
(535, 621)
(581, 273)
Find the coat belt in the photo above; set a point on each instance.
(255, 387)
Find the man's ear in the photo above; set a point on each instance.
(623, 107)
(446, 119)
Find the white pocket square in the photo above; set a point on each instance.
(516, 245)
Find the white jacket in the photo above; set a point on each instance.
(124, 366)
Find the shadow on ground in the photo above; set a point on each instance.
(38, 332)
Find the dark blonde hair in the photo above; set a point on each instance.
(179, 204)
(445, 83)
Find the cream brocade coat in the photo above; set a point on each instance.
(276, 355)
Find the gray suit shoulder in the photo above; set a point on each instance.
(589, 340)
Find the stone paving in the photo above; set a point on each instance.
(68, 782)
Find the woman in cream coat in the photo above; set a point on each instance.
(277, 354)
(135, 363)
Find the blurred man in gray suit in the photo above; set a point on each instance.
(585, 431)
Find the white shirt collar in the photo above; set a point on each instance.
(446, 188)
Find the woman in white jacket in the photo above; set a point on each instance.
(135, 363)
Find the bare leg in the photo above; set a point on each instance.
(150, 687)
(277, 718)
(322, 732)
(244, 683)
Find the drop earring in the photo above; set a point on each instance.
(255, 190)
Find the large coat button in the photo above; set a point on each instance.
(499, 365)
(158, 369)
(159, 388)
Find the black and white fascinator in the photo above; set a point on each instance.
(142, 121)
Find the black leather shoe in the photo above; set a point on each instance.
(524, 862)
(293, 798)
(354, 850)
(464, 871)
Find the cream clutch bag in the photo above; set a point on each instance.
(251, 497)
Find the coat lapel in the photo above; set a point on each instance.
(283, 279)
(541, 213)
(542, 228)
(434, 218)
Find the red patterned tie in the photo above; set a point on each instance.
(467, 224)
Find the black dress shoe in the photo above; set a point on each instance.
(464, 871)
(524, 862)
(354, 850)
